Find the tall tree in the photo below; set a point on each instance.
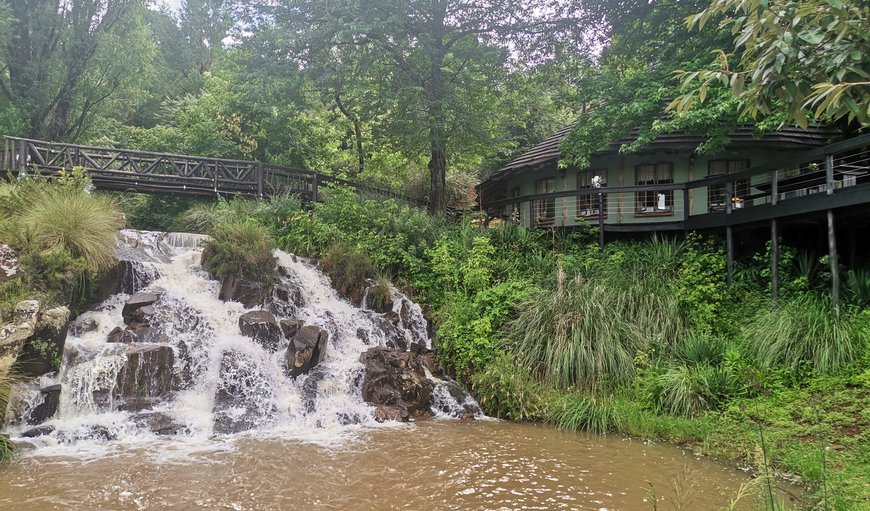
(439, 51)
(47, 64)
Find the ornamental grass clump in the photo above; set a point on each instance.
(73, 220)
(243, 249)
(348, 267)
(805, 330)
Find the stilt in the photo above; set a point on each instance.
(729, 248)
(832, 255)
(774, 260)
(601, 221)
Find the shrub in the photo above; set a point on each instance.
(805, 329)
(507, 391)
(243, 249)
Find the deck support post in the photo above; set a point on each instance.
(729, 232)
(314, 185)
(531, 214)
(260, 179)
(601, 220)
(774, 260)
(832, 236)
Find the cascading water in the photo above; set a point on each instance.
(197, 378)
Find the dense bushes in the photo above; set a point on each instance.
(243, 249)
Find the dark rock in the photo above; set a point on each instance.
(288, 294)
(393, 338)
(119, 334)
(427, 358)
(158, 423)
(147, 373)
(249, 293)
(261, 326)
(309, 389)
(136, 404)
(463, 398)
(290, 327)
(136, 302)
(306, 350)
(38, 431)
(378, 299)
(396, 379)
(48, 407)
(393, 318)
(385, 413)
(82, 326)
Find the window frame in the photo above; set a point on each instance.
(587, 205)
(545, 209)
(740, 188)
(642, 199)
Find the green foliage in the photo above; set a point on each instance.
(158, 212)
(803, 330)
(506, 390)
(582, 412)
(241, 248)
(702, 288)
(813, 65)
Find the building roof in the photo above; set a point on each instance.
(547, 152)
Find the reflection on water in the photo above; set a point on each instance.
(430, 465)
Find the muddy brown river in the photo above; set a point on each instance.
(430, 465)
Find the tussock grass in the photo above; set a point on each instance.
(587, 333)
(243, 249)
(581, 412)
(805, 329)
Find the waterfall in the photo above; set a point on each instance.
(198, 379)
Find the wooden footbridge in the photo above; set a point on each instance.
(127, 170)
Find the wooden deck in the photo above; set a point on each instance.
(127, 170)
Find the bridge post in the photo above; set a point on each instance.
(314, 184)
(260, 179)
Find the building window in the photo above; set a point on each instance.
(655, 201)
(545, 209)
(515, 207)
(587, 205)
(716, 196)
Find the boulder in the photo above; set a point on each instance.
(137, 332)
(147, 373)
(286, 298)
(261, 326)
(306, 350)
(397, 379)
(8, 262)
(158, 423)
(378, 299)
(82, 326)
(48, 407)
(30, 324)
(41, 353)
(249, 293)
(131, 311)
(38, 431)
(385, 413)
(290, 327)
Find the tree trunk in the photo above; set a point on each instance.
(437, 123)
(357, 131)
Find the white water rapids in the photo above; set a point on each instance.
(212, 358)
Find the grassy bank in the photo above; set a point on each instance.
(646, 339)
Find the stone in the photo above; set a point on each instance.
(137, 332)
(247, 292)
(8, 262)
(385, 413)
(159, 423)
(119, 334)
(137, 302)
(261, 326)
(290, 327)
(26, 311)
(289, 294)
(82, 326)
(393, 318)
(38, 431)
(378, 299)
(48, 407)
(306, 350)
(397, 379)
(147, 373)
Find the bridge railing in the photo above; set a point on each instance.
(151, 172)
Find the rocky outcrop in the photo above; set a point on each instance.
(147, 373)
(139, 315)
(48, 407)
(378, 299)
(306, 349)
(396, 383)
(8, 262)
(290, 327)
(262, 327)
(248, 292)
(138, 307)
(31, 324)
